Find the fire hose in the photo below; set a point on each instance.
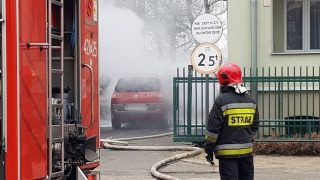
(193, 151)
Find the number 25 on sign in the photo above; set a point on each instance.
(206, 58)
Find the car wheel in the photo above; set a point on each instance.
(115, 124)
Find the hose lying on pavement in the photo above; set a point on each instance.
(109, 144)
(144, 137)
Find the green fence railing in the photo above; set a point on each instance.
(288, 101)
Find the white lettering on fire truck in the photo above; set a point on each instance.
(90, 48)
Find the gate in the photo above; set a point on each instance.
(288, 101)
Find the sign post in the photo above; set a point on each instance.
(206, 58)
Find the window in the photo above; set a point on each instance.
(315, 24)
(294, 22)
(138, 84)
(296, 26)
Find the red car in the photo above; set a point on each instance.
(139, 97)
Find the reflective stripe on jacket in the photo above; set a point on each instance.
(232, 123)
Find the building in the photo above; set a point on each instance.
(279, 41)
(288, 32)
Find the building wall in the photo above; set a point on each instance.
(239, 37)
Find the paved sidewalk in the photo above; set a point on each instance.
(135, 165)
(146, 178)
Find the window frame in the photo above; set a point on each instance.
(305, 28)
(308, 34)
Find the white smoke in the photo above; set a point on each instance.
(122, 46)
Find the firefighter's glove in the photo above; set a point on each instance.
(209, 157)
(208, 149)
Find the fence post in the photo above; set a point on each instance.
(189, 111)
(207, 99)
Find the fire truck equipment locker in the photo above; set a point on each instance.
(49, 110)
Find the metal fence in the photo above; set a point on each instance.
(288, 102)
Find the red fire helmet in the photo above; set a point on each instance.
(229, 74)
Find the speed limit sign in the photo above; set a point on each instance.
(206, 58)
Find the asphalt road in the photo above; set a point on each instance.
(125, 165)
(135, 165)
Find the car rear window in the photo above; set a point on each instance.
(138, 84)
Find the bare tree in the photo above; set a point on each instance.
(141, 8)
(168, 22)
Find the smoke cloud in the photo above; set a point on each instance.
(122, 48)
(122, 43)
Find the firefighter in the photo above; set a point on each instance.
(231, 126)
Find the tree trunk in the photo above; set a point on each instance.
(131, 4)
(141, 9)
(172, 30)
(156, 30)
(206, 6)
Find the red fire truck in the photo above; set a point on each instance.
(49, 125)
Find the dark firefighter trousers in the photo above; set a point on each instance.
(236, 168)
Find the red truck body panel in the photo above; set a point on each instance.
(12, 154)
(89, 55)
(26, 154)
(33, 90)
